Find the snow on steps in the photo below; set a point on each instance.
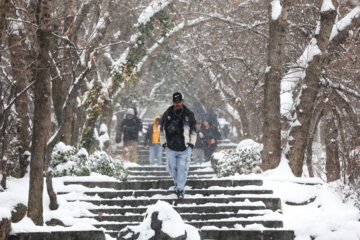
(219, 208)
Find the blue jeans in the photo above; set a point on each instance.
(177, 164)
(155, 152)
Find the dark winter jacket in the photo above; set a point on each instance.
(200, 142)
(149, 133)
(177, 128)
(130, 128)
(210, 133)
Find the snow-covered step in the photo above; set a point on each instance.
(219, 208)
(58, 234)
(151, 177)
(162, 168)
(269, 202)
(235, 208)
(200, 224)
(138, 173)
(165, 184)
(236, 234)
(232, 234)
(184, 216)
(167, 192)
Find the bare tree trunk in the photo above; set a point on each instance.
(5, 141)
(246, 131)
(271, 153)
(55, 139)
(315, 120)
(309, 153)
(42, 116)
(79, 115)
(69, 14)
(300, 132)
(18, 64)
(332, 152)
(107, 119)
(4, 6)
(62, 84)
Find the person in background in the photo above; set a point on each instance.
(178, 137)
(212, 118)
(152, 142)
(130, 127)
(211, 137)
(225, 131)
(198, 151)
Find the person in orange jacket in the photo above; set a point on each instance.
(152, 141)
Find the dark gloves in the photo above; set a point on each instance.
(164, 146)
(191, 145)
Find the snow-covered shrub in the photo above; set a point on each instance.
(245, 159)
(102, 163)
(66, 161)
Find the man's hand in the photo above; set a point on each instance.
(146, 147)
(164, 146)
(191, 145)
(201, 135)
(212, 141)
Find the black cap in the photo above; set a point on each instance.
(177, 97)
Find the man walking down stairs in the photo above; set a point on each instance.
(220, 209)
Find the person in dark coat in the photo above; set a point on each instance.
(178, 137)
(152, 141)
(225, 131)
(212, 118)
(130, 127)
(211, 138)
(198, 151)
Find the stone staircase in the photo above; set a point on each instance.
(220, 208)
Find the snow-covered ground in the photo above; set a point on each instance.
(326, 217)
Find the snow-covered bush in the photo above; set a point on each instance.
(102, 163)
(245, 159)
(66, 161)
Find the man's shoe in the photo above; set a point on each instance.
(180, 194)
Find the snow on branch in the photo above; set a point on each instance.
(297, 72)
(327, 5)
(7, 107)
(292, 77)
(215, 81)
(276, 9)
(345, 22)
(180, 27)
(154, 7)
(340, 87)
(152, 50)
(250, 27)
(152, 96)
